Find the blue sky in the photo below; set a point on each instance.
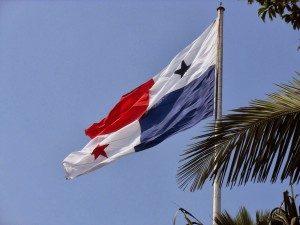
(64, 65)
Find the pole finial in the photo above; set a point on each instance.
(221, 7)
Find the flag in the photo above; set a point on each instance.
(177, 98)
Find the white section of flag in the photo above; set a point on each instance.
(201, 53)
(121, 143)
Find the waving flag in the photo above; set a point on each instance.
(174, 100)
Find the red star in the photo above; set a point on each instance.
(99, 150)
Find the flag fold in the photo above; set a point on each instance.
(177, 98)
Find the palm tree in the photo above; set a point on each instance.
(250, 144)
(242, 218)
(285, 214)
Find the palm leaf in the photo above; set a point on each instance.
(187, 216)
(250, 144)
(225, 219)
(262, 217)
(242, 218)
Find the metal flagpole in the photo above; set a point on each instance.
(218, 107)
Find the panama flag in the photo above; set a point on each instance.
(174, 100)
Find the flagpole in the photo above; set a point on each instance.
(218, 107)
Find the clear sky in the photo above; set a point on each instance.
(64, 65)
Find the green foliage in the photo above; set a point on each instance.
(288, 10)
(242, 218)
(286, 214)
(262, 217)
(250, 144)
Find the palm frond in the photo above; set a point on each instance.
(225, 219)
(262, 217)
(242, 218)
(250, 144)
(187, 215)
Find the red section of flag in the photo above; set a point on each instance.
(131, 107)
(99, 150)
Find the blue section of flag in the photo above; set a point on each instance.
(178, 111)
